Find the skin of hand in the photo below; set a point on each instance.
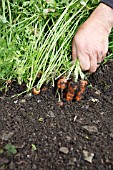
(90, 43)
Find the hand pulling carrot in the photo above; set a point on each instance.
(82, 87)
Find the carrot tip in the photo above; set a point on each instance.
(35, 91)
(78, 98)
(60, 103)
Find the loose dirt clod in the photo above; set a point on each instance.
(91, 129)
(64, 150)
(88, 156)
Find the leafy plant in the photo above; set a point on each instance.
(35, 37)
(33, 147)
(10, 148)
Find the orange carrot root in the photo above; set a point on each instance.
(83, 84)
(62, 83)
(71, 91)
(78, 97)
(72, 86)
(69, 96)
(34, 91)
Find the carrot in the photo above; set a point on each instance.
(71, 91)
(69, 96)
(62, 83)
(82, 88)
(60, 103)
(35, 91)
(83, 82)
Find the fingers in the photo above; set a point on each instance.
(105, 51)
(88, 62)
(83, 57)
(89, 59)
(96, 59)
(84, 60)
(93, 64)
(100, 57)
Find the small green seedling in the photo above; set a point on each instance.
(10, 148)
(33, 147)
(41, 119)
(90, 86)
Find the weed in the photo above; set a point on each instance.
(10, 148)
(33, 147)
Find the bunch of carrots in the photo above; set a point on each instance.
(72, 90)
(68, 89)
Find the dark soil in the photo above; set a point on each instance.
(76, 136)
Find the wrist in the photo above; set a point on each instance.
(104, 15)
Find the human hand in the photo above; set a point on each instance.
(90, 44)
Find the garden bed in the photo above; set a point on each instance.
(44, 136)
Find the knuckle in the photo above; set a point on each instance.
(85, 67)
(93, 69)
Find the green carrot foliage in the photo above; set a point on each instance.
(36, 36)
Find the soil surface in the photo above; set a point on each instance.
(46, 136)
